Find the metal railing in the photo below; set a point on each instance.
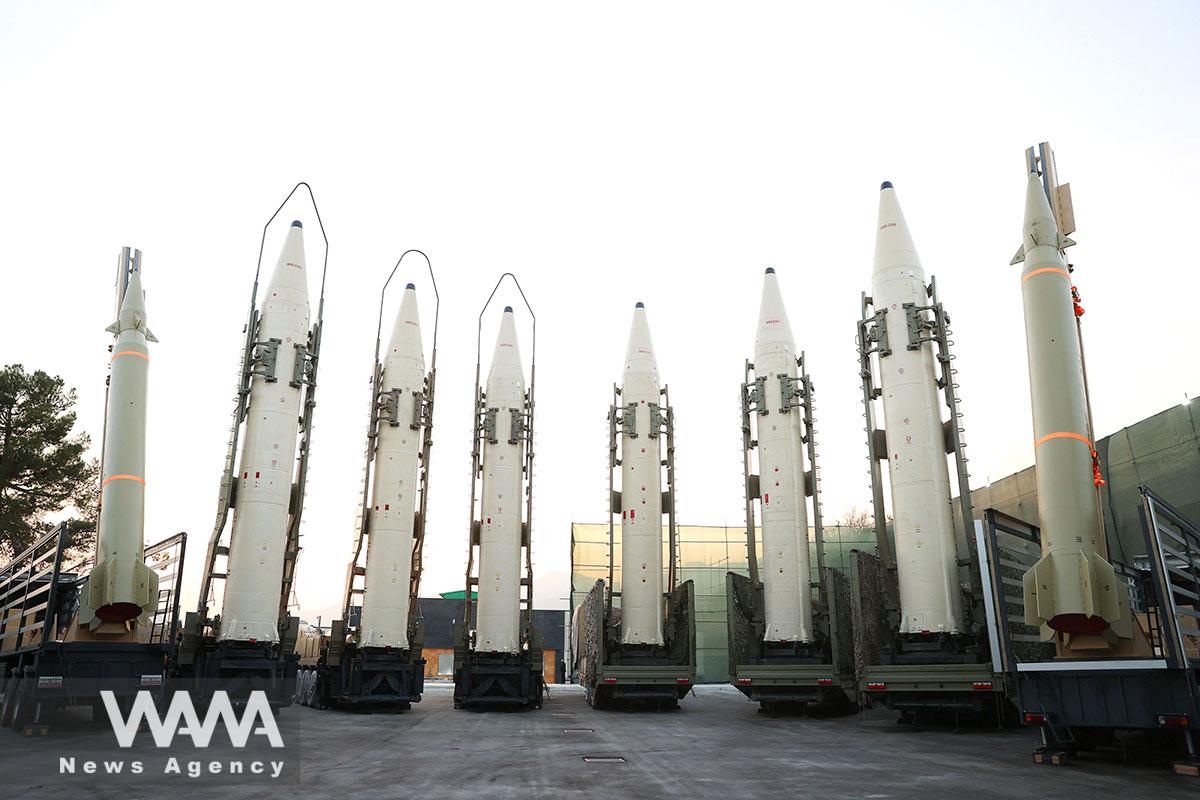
(1173, 545)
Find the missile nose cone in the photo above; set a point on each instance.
(893, 242)
(639, 357)
(639, 304)
(297, 223)
(410, 286)
(773, 325)
(885, 185)
(406, 332)
(508, 351)
(290, 272)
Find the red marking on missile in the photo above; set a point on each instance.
(129, 353)
(123, 477)
(1063, 435)
(1031, 273)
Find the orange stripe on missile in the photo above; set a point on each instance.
(112, 478)
(1063, 435)
(1059, 270)
(129, 353)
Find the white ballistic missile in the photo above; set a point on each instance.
(121, 587)
(396, 483)
(250, 607)
(641, 491)
(785, 576)
(1073, 588)
(926, 555)
(498, 616)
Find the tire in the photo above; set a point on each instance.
(21, 711)
(11, 687)
(310, 698)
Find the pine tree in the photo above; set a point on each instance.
(42, 465)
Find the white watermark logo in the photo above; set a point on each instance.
(164, 728)
(181, 718)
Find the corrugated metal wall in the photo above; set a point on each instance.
(1162, 452)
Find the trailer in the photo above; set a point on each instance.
(46, 666)
(787, 675)
(1078, 704)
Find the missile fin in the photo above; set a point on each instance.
(1096, 596)
(1019, 257)
(115, 328)
(1064, 242)
(150, 337)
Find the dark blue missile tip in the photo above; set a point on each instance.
(886, 185)
(411, 286)
(508, 309)
(297, 223)
(770, 270)
(639, 304)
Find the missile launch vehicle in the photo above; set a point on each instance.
(250, 643)
(785, 649)
(1114, 646)
(932, 645)
(498, 658)
(635, 638)
(69, 631)
(372, 656)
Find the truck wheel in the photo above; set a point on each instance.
(11, 687)
(22, 706)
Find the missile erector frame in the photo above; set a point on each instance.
(485, 679)
(347, 673)
(937, 671)
(612, 671)
(787, 675)
(202, 661)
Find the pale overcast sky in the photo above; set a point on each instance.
(631, 152)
